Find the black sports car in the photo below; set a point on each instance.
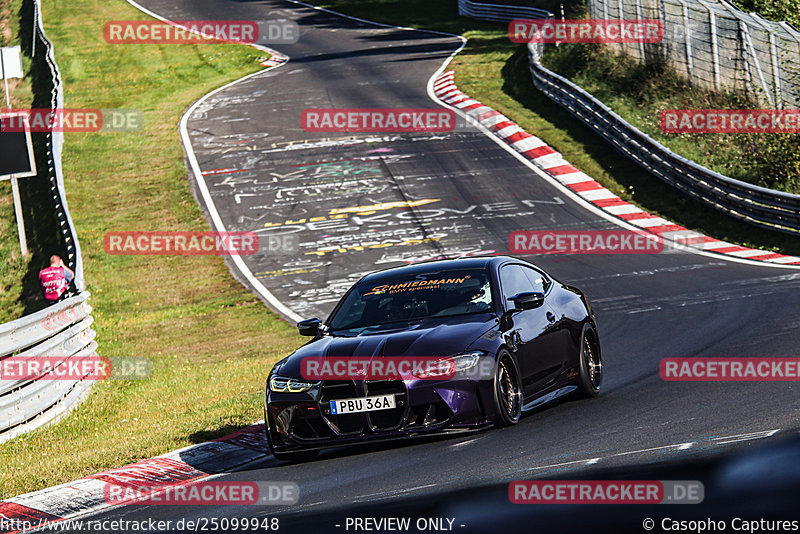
(505, 336)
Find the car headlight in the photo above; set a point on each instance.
(454, 364)
(282, 384)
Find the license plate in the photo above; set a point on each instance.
(362, 404)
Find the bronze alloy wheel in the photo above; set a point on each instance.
(508, 392)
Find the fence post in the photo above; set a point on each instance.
(688, 39)
(776, 75)
(773, 55)
(639, 16)
(792, 92)
(621, 17)
(712, 21)
(749, 47)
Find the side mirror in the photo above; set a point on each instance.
(309, 327)
(528, 300)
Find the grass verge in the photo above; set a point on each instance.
(495, 71)
(211, 341)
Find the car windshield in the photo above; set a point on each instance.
(414, 297)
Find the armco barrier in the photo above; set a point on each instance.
(63, 330)
(759, 206)
(498, 13)
(59, 331)
(43, 50)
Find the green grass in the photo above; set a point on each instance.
(211, 341)
(495, 71)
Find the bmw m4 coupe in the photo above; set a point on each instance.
(439, 347)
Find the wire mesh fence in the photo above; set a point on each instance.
(717, 46)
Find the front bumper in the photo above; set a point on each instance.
(300, 421)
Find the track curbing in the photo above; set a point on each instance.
(585, 187)
(194, 463)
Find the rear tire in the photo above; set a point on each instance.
(591, 365)
(507, 391)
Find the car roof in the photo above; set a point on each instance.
(472, 262)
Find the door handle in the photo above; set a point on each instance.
(551, 317)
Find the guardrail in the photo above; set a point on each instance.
(62, 330)
(500, 13)
(55, 141)
(759, 206)
(767, 208)
(59, 332)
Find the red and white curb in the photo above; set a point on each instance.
(85, 495)
(552, 162)
(275, 59)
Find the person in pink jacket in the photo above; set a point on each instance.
(55, 279)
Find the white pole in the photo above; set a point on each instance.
(688, 36)
(639, 16)
(23, 242)
(33, 33)
(5, 78)
(712, 21)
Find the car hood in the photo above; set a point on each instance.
(440, 337)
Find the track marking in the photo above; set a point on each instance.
(677, 447)
(391, 493)
(457, 445)
(746, 437)
(200, 179)
(589, 461)
(713, 443)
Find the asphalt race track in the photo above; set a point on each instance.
(424, 195)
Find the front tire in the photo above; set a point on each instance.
(591, 365)
(507, 391)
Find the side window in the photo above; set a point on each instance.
(514, 281)
(539, 281)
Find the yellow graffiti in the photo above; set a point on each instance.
(344, 213)
(368, 210)
(344, 250)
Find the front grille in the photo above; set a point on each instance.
(387, 419)
(377, 421)
(343, 424)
